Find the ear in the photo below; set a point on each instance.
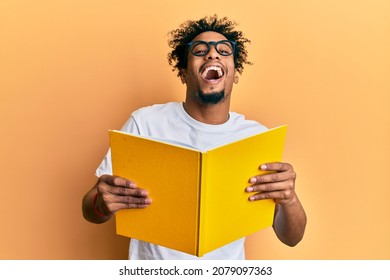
(183, 76)
(236, 78)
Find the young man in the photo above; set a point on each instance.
(208, 55)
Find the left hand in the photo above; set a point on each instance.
(279, 185)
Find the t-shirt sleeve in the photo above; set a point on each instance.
(105, 166)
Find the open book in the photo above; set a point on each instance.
(199, 199)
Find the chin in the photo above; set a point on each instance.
(212, 97)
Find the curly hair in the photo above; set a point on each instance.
(179, 38)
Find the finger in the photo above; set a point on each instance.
(119, 206)
(123, 191)
(276, 195)
(131, 200)
(118, 181)
(275, 166)
(114, 202)
(270, 187)
(127, 202)
(272, 177)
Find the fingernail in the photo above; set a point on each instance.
(251, 198)
(263, 167)
(252, 180)
(249, 189)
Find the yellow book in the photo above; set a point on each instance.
(199, 199)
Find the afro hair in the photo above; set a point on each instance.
(179, 38)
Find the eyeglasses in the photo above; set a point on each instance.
(202, 48)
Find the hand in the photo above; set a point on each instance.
(116, 193)
(278, 185)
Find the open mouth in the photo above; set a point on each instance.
(212, 73)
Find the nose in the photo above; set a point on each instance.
(212, 54)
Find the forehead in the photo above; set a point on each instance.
(209, 36)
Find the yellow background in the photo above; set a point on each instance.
(71, 70)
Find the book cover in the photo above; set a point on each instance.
(199, 199)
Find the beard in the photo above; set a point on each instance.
(211, 98)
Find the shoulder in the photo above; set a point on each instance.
(156, 109)
(150, 119)
(239, 122)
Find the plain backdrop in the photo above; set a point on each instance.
(71, 70)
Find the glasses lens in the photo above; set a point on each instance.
(224, 48)
(199, 48)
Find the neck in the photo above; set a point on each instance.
(208, 113)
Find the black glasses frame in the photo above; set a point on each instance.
(191, 44)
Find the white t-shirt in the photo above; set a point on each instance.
(171, 123)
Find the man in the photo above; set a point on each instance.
(208, 55)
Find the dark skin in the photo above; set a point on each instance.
(116, 193)
(290, 218)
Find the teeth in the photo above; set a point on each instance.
(215, 68)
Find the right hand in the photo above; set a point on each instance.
(116, 193)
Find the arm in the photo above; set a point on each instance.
(290, 218)
(110, 194)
